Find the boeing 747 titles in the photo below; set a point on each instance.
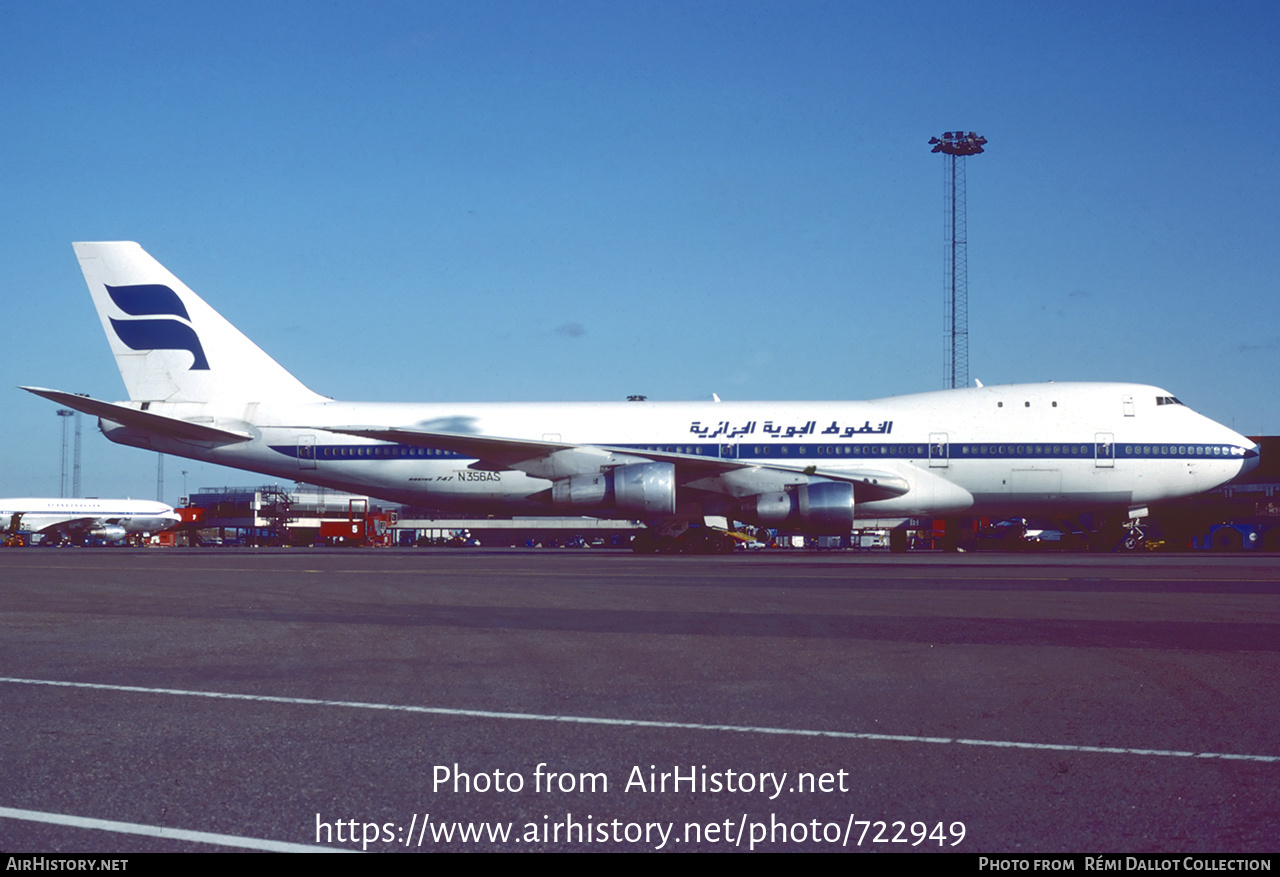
(198, 388)
(79, 520)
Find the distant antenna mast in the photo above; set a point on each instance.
(63, 414)
(75, 466)
(956, 146)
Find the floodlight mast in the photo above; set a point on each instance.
(956, 146)
(63, 414)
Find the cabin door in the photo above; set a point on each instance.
(1104, 450)
(939, 451)
(306, 452)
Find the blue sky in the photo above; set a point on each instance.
(584, 200)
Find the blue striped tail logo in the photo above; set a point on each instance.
(154, 300)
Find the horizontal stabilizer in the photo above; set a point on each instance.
(143, 420)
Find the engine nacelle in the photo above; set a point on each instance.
(109, 533)
(823, 506)
(642, 490)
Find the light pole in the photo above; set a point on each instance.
(956, 146)
(64, 413)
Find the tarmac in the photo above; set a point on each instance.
(476, 699)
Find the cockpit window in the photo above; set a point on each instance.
(1167, 400)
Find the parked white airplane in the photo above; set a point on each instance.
(198, 388)
(111, 520)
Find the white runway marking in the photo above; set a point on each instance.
(646, 723)
(203, 837)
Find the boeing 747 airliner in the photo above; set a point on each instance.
(198, 388)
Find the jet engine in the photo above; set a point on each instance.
(644, 490)
(108, 532)
(821, 505)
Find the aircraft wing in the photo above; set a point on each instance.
(71, 526)
(145, 420)
(546, 459)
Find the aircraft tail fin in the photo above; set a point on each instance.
(169, 344)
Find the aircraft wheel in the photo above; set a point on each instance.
(690, 542)
(643, 543)
(716, 543)
(668, 545)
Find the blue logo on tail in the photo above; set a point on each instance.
(153, 300)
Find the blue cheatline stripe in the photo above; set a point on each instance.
(651, 723)
(955, 451)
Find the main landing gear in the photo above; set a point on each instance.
(1134, 535)
(1129, 534)
(677, 537)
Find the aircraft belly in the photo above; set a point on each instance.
(931, 493)
(444, 484)
(453, 482)
(1045, 483)
(1167, 479)
(997, 488)
(1022, 504)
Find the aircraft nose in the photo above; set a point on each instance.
(1252, 457)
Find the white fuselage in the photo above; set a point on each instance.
(1016, 449)
(106, 517)
(199, 388)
